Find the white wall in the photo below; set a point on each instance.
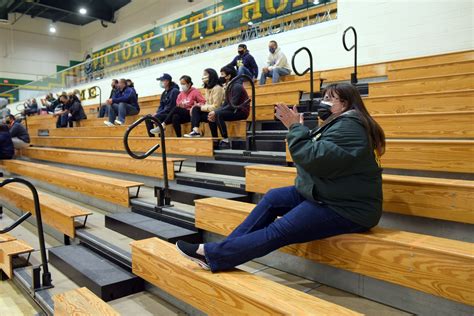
(28, 51)
(388, 30)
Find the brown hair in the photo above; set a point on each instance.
(349, 94)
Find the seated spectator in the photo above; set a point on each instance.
(277, 64)
(124, 103)
(72, 111)
(245, 63)
(167, 101)
(49, 103)
(236, 106)
(7, 150)
(31, 108)
(130, 83)
(18, 132)
(214, 99)
(103, 107)
(188, 98)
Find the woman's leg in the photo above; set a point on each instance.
(196, 116)
(306, 222)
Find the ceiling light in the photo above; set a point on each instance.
(162, 49)
(52, 28)
(250, 23)
(83, 11)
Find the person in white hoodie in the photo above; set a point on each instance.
(277, 64)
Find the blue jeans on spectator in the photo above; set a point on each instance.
(103, 110)
(244, 71)
(275, 74)
(122, 110)
(262, 231)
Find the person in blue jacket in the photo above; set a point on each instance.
(7, 150)
(245, 63)
(167, 102)
(123, 103)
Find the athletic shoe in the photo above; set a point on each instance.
(224, 145)
(156, 130)
(108, 123)
(192, 134)
(117, 122)
(190, 251)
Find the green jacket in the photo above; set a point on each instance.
(336, 167)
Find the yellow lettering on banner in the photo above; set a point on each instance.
(270, 6)
(297, 3)
(82, 95)
(92, 93)
(197, 17)
(255, 8)
(184, 31)
(106, 58)
(115, 49)
(217, 20)
(127, 52)
(137, 49)
(169, 38)
(148, 43)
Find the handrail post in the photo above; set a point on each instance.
(309, 69)
(354, 74)
(100, 95)
(251, 145)
(46, 277)
(166, 193)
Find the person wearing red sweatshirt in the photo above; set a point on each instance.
(188, 97)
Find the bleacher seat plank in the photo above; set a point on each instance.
(425, 84)
(422, 102)
(150, 167)
(432, 59)
(227, 293)
(429, 264)
(55, 212)
(203, 147)
(294, 85)
(290, 97)
(363, 71)
(8, 250)
(6, 237)
(444, 199)
(105, 188)
(81, 301)
(427, 125)
(438, 69)
(429, 155)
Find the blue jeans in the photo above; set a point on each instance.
(275, 74)
(123, 110)
(261, 232)
(103, 111)
(244, 71)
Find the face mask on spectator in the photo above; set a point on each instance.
(162, 84)
(324, 110)
(205, 79)
(184, 87)
(272, 50)
(222, 80)
(241, 52)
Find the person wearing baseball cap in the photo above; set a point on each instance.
(167, 103)
(244, 62)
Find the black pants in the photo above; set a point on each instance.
(179, 116)
(228, 115)
(198, 116)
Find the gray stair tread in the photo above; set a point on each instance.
(92, 265)
(152, 225)
(212, 177)
(254, 153)
(204, 192)
(230, 163)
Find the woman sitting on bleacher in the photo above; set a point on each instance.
(338, 189)
(214, 98)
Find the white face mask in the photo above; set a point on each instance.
(184, 87)
(205, 79)
(162, 84)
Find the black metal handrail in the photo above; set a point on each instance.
(167, 195)
(354, 74)
(46, 277)
(240, 78)
(309, 69)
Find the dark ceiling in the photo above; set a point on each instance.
(66, 11)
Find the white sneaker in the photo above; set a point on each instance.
(192, 134)
(155, 130)
(117, 122)
(108, 124)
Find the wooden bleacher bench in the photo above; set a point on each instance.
(434, 69)
(297, 84)
(105, 188)
(227, 293)
(425, 154)
(55, 212)
(150, 167)
(417, 196)
(203, 147)
(426, 84)
(363, 71)
(6, 237)
(10, 249)
(429, 264)
(432, 59)
(81, 301)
